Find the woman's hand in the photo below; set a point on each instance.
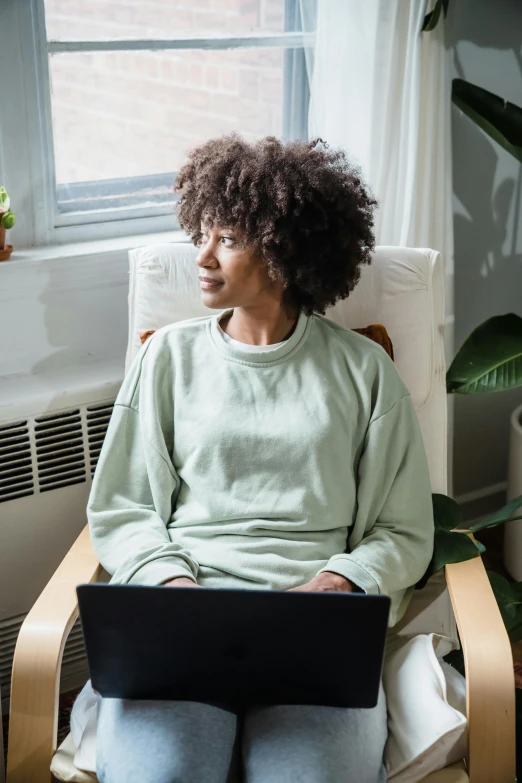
(325, 582)
(181, 581)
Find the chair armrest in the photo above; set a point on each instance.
(490, 678)
(37, 661)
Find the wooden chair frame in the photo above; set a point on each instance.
(39, 650)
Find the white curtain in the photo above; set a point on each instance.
(381, 90)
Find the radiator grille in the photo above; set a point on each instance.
(98, 417)
(51, 451)
(16, 468)
(9, 630)
(59, 450)
(74, 662)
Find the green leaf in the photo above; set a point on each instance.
(447, 513)
(502, 591)
(490, 360)
(509, 600)
(449, 547)
(516, 592)
(501, 586)
(5, 201)
(501, 120)
(514, 627)
(498, 517)
(431, 20)
(8, 219)
(452, 548)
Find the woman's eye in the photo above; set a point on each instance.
(227, 239)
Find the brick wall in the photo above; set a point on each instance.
(122, 114)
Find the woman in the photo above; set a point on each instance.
(263, 446)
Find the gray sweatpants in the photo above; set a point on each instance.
(190, 742)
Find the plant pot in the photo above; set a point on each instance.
(5, 254)
(513, 530)
(5, 250)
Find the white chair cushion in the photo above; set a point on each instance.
(427, 724)
(429, 611)
(62, 766)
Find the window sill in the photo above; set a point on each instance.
(99, 247)
(83, 382)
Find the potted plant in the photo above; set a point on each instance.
(455, 542)
(490, 359)
(7, 220)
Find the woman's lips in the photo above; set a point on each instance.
(205, 284)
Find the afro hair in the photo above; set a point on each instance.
(300, 204)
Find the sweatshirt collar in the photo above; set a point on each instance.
(244, 356)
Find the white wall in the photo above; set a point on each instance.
(62, 311)
(486, 38)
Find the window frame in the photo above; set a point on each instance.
(32, 180)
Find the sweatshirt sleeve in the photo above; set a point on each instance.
(134, 488)
(391, 541)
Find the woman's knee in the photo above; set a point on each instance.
(313, 744)
(163, 742)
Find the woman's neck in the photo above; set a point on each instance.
(240, 327)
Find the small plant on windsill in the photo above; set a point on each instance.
(7, 221)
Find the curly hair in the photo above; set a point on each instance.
(301, 205)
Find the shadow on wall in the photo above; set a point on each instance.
(486, 228)
(488, 25)
(487, 181)
(83, 306)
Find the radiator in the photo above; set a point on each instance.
(47, 462)
(74, 673)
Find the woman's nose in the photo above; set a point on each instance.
(206, 254)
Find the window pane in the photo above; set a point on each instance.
(118, 115)
(94, 19)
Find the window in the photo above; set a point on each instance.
(121, 90)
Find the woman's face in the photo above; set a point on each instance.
(241, 273)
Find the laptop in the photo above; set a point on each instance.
(234, 647)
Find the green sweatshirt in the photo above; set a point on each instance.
(258, 470)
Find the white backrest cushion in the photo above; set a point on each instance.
(402, 288)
